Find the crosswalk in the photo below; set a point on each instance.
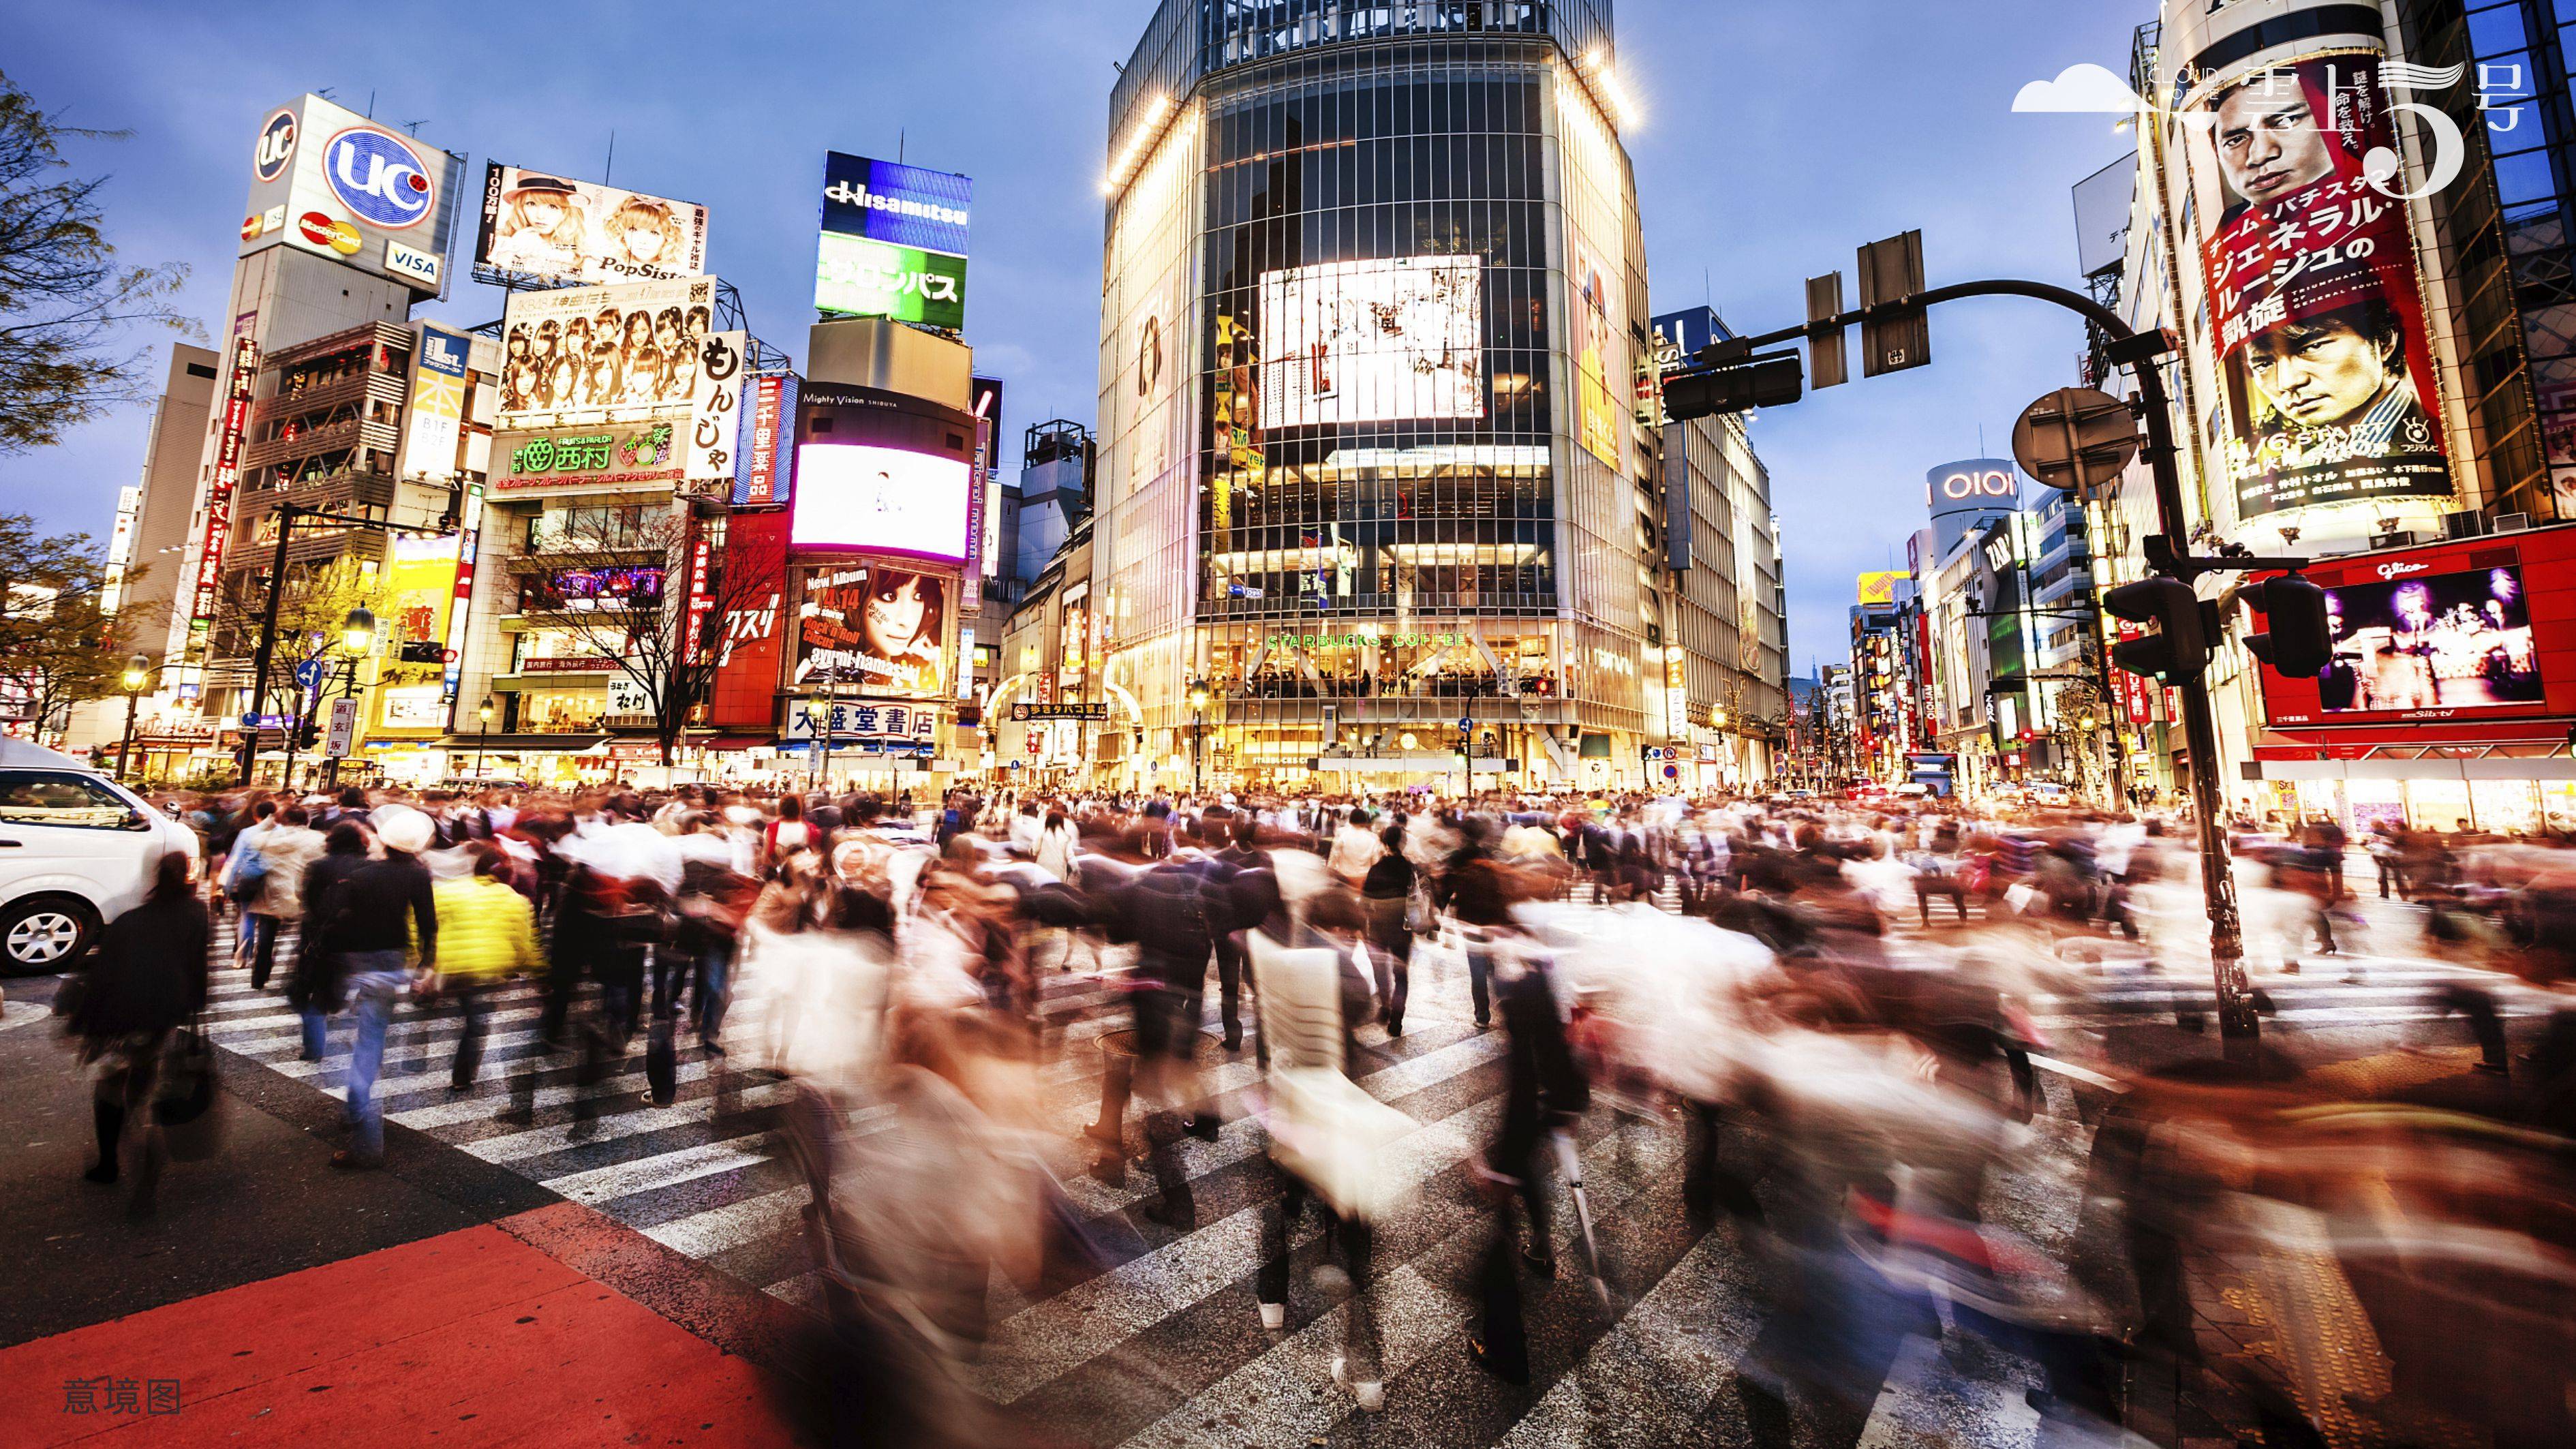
(1162, 1345)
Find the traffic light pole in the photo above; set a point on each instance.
(2238, 1025)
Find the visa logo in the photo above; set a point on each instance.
(412, 264)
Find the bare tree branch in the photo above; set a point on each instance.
(64, 302)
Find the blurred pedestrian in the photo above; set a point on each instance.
(149, 979)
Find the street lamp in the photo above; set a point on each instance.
(482, 713)
(138, 668)
(1198, 728)
(357, 636)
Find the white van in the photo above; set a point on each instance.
(76, 849)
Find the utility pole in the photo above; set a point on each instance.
(2166, 551)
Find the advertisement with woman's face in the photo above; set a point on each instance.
(2314, 303)
(878, 630)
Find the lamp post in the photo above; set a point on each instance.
(1198, 729)
(138, 668)
(357, 636)
(818, 718)
(483, 714)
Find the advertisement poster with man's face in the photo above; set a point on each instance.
(2313, 296)
(875, 630)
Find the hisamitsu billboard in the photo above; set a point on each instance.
(904, 206)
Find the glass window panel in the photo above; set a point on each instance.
(2496, 30)
(2524, 178)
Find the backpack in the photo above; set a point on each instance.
(250, 880)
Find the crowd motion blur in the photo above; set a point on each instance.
(1915, 1070)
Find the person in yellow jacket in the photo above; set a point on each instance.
(487, 932)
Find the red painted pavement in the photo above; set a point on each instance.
(474, 1337)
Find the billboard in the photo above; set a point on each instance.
(587, 457)
(715, 409)
(876, 628)
(748, 640)
(855, 277)
(434, 421)
(2315, 308)
(883, 500)
(768, 460)
(1372, 341)
(904, 206)
(615, 354)
(327, 180)
(988, 418)
(232, 427)
(1596, 414)
(542, 225)
(893, 242)
(2467, 631)
(1880, 588)
(420, 586)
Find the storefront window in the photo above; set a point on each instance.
(561, 712)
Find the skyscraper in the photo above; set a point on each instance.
(1373, 334)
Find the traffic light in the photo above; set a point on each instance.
(1891, 271)
(308, 734)
(1770, 380)
(2297, 639)
(2179, 649)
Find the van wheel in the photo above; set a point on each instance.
(45, 933)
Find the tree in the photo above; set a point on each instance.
(637, 613)
(310, 613)
(63, 299)
(58, 648)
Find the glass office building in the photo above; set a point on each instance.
(1373, 332)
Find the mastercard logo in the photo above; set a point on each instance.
(250, 226)
(324, 231)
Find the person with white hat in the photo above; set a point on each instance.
(362, 922)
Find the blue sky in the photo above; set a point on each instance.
(1773, 139)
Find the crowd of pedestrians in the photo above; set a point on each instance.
(1838, 1010)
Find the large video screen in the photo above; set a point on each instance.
(2432, 641)
(877, 628)
(881, 500)
(1372, 342)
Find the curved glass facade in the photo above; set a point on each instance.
(1373, 303)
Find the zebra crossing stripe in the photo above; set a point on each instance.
(544, 1141)
(716, 1230)
(1095, 1316)
(1664, 1362)
(1287, 1395)
(470, 1109)
(667, 1169)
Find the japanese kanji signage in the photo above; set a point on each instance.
(2315, 310)
(645, 453)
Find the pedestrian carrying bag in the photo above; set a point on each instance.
(186, 1106)
(250, 880)
(1419, 918)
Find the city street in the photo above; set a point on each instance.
(1254, 724)
(685, 1223)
